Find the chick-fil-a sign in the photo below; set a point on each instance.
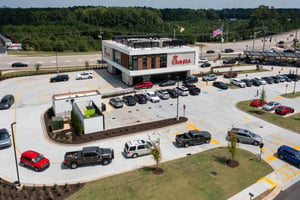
(176, 61)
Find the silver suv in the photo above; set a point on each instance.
(246, 136)
(135, 148)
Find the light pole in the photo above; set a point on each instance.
(100, 37)
(13, 135)
(56, 62)
(177, 115)
(296, 77)
(254, 37)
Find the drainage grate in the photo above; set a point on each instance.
(213, 173)
(129, 111)
(137, 109)
(188, 154)
(149, 107)
(113, 118)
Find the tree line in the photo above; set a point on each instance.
(78, 28)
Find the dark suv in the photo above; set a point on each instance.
(59, 77)
(289, 154)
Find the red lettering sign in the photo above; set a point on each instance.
(106, 53)
(175, 61)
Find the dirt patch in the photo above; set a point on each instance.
(232, 163)
(157, 171)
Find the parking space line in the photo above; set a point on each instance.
(281, 139)
(215, 141)
(192, 126)
(271, 158)
(269, 181)
(278, 97)
(247, 118)
(229, 99)
(221, 94)
(175, 133)
(285, 170)
(278, 143)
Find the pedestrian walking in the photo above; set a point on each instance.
(272, 68)
(206, 82)
(257, 93)
(246, 75)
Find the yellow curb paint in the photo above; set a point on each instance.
(263, 149)
(297, 147)
(278, 143)
(175, 133)
(272, 183)
(220, 94)
(285, 141)
(247, 118)
(215, 141)
(271, 158)
(278, 97)
(192, 126)
(230, 99)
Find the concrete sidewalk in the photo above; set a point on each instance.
(262, 185)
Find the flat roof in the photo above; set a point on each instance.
(76, 94)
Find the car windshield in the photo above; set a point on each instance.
(4, 100)
(3, 136)
(99, 150)
(271, 103)
(117, 100)
(38, 158)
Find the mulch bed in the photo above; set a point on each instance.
(157, 171)
(76, 139)
(232, 163)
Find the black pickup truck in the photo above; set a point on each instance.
(88, 155)
(193, 137)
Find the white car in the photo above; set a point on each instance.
(203, 60)
(238, 82)
(84, 75)
(163, 94)
(151, 96)
(182, 91)
(262, 81)
(272, 105)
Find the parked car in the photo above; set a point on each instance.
(283, 110)
(116, 102)
(281, 42)
(173, 93)
(5, 140)
(188, 85)
(220, 85)
(182, 91)
(275, 79)
(294, 77)
(255, 82)
(19, 64)
(59, 77)
(229, 61)
(289, 51)
(203, 60)
(152, 96)
(210, 51)
(228, 50)
(286, 78)
(207, 64)
(262, 81)
(268, 79)
(191, 79)
(143, 85)
(192, 137)
(167, 83)
(194, 91)
(248, 82)
(257, 103)
(289, 154)
(135, 148)
(238, 82)
(84, 75)
(129, 100)
(270, 106)
(230, 74)
(34, 160)
(281, 78)
(209, 77)
(7, 101)
(163, 94)
(88, 155)
(245, 136)
(140, 98)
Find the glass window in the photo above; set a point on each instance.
(153, 63)
(135, 62)
(130, 63)
(163, 60)
(117, 56)
(132, 148)
(144, 62)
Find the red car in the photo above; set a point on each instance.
(34, 160)
(283, 110)
(230, 75)
(257, 103)
(144, 84)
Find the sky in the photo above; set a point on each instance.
(194, 4)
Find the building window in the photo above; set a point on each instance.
(153, 62)
(134, 62)
(130, 63)
(144, 62)
(163, 60)
(117, 56)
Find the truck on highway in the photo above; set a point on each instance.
(193, 137)
(88, 155)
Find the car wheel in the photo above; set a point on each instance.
(22, 164)
(74, 165)
(255, 143)
(186, 145)
(105, 161)
(134, 155)
(281, 157)
(54, 81)
(90, 77)
(36, 169)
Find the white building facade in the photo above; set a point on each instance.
(139, 58)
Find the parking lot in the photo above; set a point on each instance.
(213, 110)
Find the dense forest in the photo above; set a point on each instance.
(78, 28)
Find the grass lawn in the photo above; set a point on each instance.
(185, 178)
(292, 122)
(290, 95)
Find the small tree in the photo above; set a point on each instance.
(232, 145)
(155, 151)
(37, 66)
(87, 65)
(263, 95)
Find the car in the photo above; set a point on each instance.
(289, 51)
(289, 154)
(194, 91)
(191, 79)
(84, 75)
(7, 101)
(294, 77)
(248, 82)
(257, 103)
(238, 82)
(262, 81)
(209, 77)
(140, 98)
(173, 93)
(228, 50)
(193, 137)
(182, 91)
(210, 51)
(286, 78)
(230, 74)
(270, 106)
(220, 85)
(116, 102)
(129, 100)
(283, 110)
(245, 136)
(163, 94)
(203, 60)
(268, 79)
(34, 160)
(251, 61)
(19, 64)
(281, 46)
(205, 65)
(5, 140)
(281, 42)
(167, 83)
(143, 85)
(275, 79)
(188, 85)
(59, 77)
(255, 82)
(152, 96)
(229, 61)
(281, 78)
(135, 148)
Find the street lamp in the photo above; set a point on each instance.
(13, 135)
(100, 37)
(254, 36)
(177, 115)
(296, 77)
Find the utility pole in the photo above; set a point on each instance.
(296, 77)
(100, 37)
(254, 37)
(264, 37)
(295, 40)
